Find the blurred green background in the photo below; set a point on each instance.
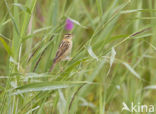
(113, 57)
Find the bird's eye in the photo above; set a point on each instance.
(67, 36)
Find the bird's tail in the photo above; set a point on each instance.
(52, 67)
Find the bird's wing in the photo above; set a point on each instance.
(62, 49)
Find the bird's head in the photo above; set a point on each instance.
(68, 36)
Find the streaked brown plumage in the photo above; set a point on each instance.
(63, 50)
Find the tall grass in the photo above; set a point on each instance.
(113, 56)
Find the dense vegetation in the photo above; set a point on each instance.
(113, 57)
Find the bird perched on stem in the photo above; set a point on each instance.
(64, 50)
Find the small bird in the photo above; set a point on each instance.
(64, 50)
